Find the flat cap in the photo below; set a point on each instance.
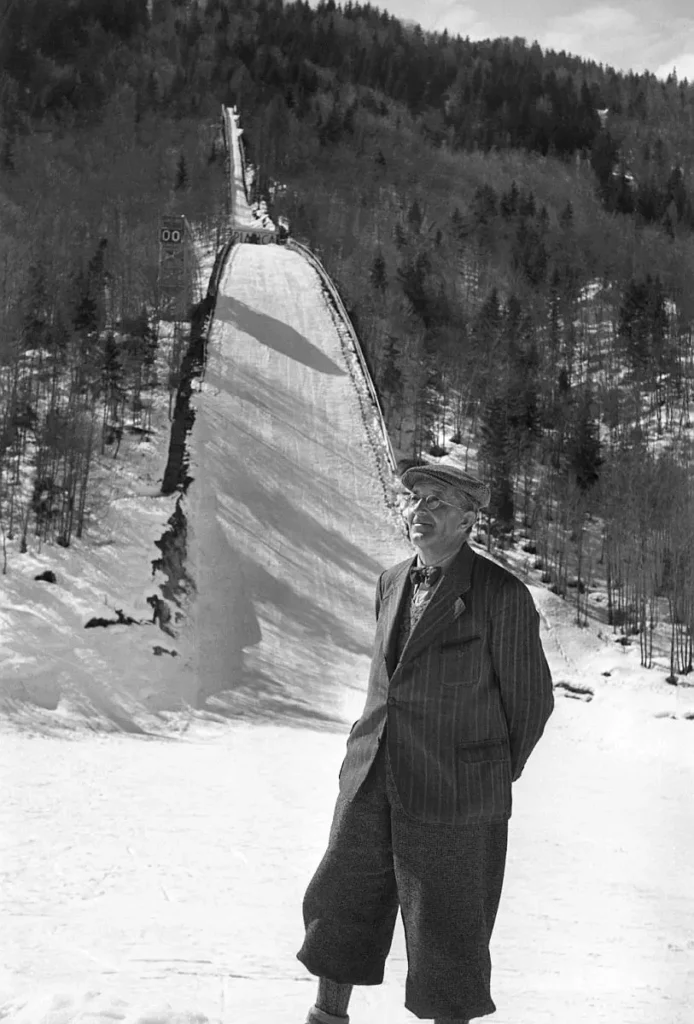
(478, 492)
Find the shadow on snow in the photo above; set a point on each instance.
(274, 334)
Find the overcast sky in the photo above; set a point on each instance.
(636, 34)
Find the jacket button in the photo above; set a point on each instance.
(392, 700)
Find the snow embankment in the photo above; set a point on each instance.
(55, 673)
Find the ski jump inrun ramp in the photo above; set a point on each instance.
(289, 527)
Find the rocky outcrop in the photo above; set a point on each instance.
(167, 606)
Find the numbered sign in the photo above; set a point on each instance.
(171, 236)
(171, 231)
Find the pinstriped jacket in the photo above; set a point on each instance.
(468, 699)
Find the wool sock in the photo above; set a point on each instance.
(318, 1016)
(333, 998)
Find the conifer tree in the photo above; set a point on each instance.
(497, 451)
(399, 235)
(527, 206)
(181, 173)
(566, 217)
(643, 321)
(458, 223)
(583, 450)
(379, 278)
(485, 204)
(414, 217)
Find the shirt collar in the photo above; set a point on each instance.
(446, 563)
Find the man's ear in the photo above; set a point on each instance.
(468, 520)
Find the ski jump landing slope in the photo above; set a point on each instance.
(288, 529)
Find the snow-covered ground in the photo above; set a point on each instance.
(156, 878)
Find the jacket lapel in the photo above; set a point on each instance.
(445, 605)
(392, 609)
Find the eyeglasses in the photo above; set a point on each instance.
(432, 502)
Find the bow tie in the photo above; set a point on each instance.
(425, 574)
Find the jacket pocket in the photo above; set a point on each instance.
(460, 660)
(485, 750)
(459, 641)
(484, 781)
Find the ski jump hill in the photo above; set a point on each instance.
(288, 522)
(155, 875)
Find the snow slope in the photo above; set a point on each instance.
(157, 879)
(288, 499)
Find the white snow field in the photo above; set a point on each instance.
(157, 878)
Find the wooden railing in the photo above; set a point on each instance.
(344, 316)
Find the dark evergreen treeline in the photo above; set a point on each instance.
(64, 58)
(510, 229)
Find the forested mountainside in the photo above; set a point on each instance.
(511, 230)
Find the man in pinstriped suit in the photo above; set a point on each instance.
(458, 696)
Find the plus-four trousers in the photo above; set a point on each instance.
(445, 879)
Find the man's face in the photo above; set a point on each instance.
(438, 527)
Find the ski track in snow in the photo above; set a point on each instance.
(160, 882)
